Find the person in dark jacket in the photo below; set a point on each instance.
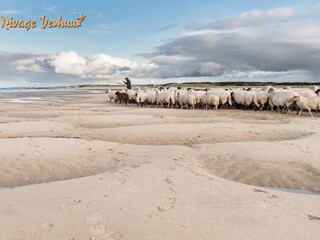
(127, 82)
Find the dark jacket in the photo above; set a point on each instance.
(128, 83)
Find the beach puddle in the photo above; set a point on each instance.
(296, 191)
(22, 100)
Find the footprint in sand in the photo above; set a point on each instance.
(116, 160)
(258, 190)
(47, 226)
(273, 197)
(168, 180)
(115, 236)
(71, 203)
(312, 217)
(134, 165)
(265, 205)
(173, 190)
(167, 205)
(97, 228)
(122, 180)
(261, 191)
(95, 222)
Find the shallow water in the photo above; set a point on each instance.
(44, 90)
(297, 191)
(17, 95)
(25, 90)
(22, 100)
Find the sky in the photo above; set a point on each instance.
(161, 41)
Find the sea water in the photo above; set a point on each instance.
(297, 191)
(6, 94)
(21, 100)
(25, 90)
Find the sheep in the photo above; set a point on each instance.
(198, 95)
(172, 88)
(151, 97)
(112, 95)
(215, 90)
(281, 99)
(254, 89)
(310, 103)
(131, 94)
(245, 98)
(238, 98)
(210, 99)
(306, 92)
(165, 97)
(314, 103)
(315, 88)
(176, 95)
(263, 98)
(224, 96)
(266, 88)
(303, 104)
(122, 97)
(141, 98)
(186, 98)
(251, 99)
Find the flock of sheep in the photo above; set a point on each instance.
(284, 99)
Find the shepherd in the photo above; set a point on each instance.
(127, 82)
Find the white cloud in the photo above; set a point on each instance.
(168, 27)
(253, 18)
(67, 63)
(50, 9)
(10, 12)
(105, 28)
(27, 65)
(71, 63)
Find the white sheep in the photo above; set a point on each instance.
(282, 99)
(112, 95)
(198, 95)
(224, 96)
(131, 94)
(151, 97)
(165, 98)
(306, 92)
(186, 99)
(315, 88)
(263, 98)
(176, 95)
(266, 88)
(141, 98)
(211, 100)
(311, 103)
(245, 98)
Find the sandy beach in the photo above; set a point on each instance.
(74, 166)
